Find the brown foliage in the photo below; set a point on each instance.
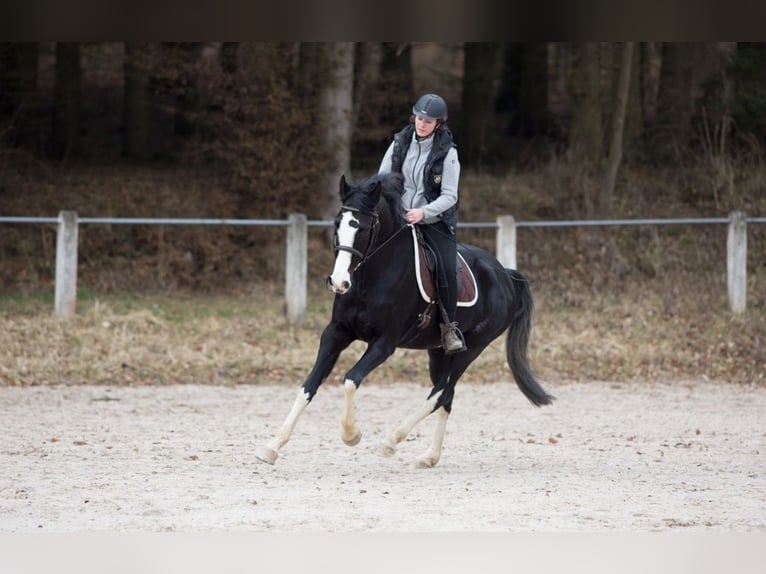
(261, 131)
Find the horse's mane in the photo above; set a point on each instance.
(392, 187)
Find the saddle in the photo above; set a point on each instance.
(425, 265)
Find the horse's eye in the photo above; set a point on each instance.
(353, 223)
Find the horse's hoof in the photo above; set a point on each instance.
(426, 462)
(386, 450)
(267, 455)
(354, 440)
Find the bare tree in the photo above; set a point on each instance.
(585, 140)
(651, 64)
(396, 91)
(136, 140)
(336, 107)
(618, 125)
(633, 149)
(18, 95)
(480, 83)
(65, 135)
(672, 126)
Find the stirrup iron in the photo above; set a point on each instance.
(452, 338)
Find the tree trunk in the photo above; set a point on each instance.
(671, 130)
(523, 90)
(336, 105)
(633, 149)
(476, 133)
(396, 90)
(311, 73)
(585, 140)
(651, 65)
(19, 113)
(65, 135)
(137, 125)
(618, 123)
(186, 55)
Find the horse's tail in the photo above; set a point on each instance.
(518, 339)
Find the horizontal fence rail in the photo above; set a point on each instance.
(296, 259)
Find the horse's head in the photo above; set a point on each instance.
(356, 229)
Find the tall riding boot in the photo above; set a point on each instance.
(452, 338)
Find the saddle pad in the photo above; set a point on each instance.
(467, 291)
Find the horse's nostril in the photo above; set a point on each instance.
(346, 285)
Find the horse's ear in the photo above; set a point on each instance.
(343, 187)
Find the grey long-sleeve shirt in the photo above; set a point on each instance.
(412, 170)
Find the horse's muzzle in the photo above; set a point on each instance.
(339, 289)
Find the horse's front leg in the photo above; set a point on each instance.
(333, 341)
(270, 452)
(377, 352)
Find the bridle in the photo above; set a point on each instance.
(374, 227)
(366, 255)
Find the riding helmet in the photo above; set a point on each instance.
(431, 106)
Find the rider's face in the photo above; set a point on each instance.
(424, 127)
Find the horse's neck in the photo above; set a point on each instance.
(390, 246)
(390, 231)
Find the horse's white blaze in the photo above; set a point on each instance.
(350, 434)
(340, 278)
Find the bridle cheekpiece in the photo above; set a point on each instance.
(373, 235)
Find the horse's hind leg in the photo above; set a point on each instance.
(349, 431)
(445, 370)
(388, 446)
(430, 458)
(439, 370)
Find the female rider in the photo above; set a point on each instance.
(424, 153)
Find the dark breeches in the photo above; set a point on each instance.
(444, 244)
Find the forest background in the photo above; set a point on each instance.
(545, 131)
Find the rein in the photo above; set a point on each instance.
(379, 247)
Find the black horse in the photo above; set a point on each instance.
(378, 301)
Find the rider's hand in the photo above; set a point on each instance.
(415, 215)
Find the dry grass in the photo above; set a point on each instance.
(240, 339)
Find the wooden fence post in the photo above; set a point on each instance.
(506, 241)
(296, 268)
(66, 264)
(736, 261)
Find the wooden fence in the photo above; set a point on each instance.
(296, 258)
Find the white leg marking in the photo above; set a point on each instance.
(270, 452)
(349, 433)
(429, 459)
(388, 447)
(340, 278)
